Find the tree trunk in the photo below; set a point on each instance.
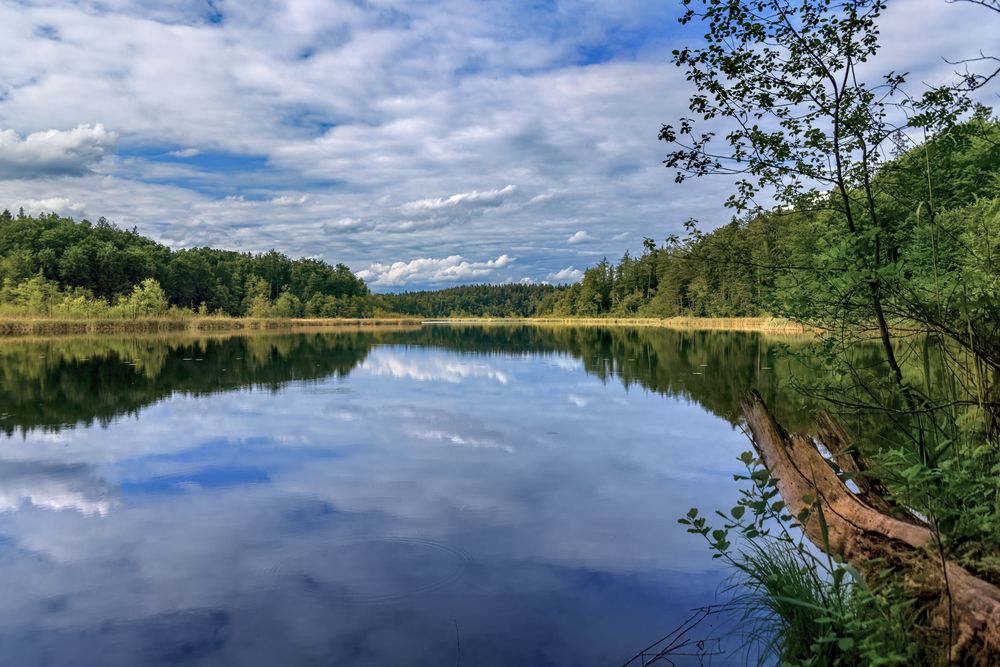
(867, 530)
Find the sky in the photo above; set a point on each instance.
(423, 144)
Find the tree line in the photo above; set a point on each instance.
(504, 300)
(53, 265)
(771, 263)
(59, 267)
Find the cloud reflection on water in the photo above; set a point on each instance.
(429, 367)
(306, 525)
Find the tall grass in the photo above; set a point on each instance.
(42, 326)
(797, 614)
(774, 324)
(800, 606)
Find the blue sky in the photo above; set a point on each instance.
(422, 143)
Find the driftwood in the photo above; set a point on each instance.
(868, 531)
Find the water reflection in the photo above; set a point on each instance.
(54, 383)
(501, 496)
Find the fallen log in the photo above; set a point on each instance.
(861, 529)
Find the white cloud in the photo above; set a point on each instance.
(59, 205)
(567, 275)
(346, 225)
(54, 152)
(466, 200)
(377, 113)
(185, 153)
(579, 237)
(433, 271)
(287, 200)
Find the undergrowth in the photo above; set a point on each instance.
(801, 607)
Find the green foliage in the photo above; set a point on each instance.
(960, 490)
(801, 607)
(40, 297)
(146, 300)
(799, 261)
(890, 234)
(99, 264)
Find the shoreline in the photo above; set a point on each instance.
(15, 327)
(82, 327)
(761, 324)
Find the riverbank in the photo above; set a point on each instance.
(53, 327)
(83, 326)
(762, 324)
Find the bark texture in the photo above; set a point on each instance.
(870, 532)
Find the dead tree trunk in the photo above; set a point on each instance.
(868, 531)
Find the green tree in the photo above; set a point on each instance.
(256, 299)
(146, 300)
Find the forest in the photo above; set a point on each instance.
(761, 264)
(56, 266)
(52, 266)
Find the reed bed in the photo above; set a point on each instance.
(37, 326)
(769, 324)
(41, 326)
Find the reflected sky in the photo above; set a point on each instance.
(427, 506)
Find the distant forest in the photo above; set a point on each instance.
(761, 264)
(51, 266)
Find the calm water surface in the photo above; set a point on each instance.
(435, 496)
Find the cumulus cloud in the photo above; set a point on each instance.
(432, 271)
(428, 126)
(464, 200)
(60, 205)
(579, 237)
(567, 275)
(54, 152)
(436, 212)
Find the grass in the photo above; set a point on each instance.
(799, 614)
(682, 323)
(46, 326)
(42, 326)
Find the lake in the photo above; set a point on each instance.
(441, 495)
